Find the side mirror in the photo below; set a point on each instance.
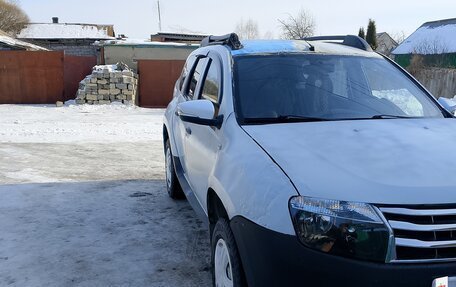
(448, 104)
(200, 112)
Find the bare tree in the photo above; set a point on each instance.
(297, 27)
(247, 30)
(399, 36)
(431, 47)
(268, 35)
(12, 17)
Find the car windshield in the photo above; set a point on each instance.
(276, 88)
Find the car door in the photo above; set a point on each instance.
(187, 85)
(202, 142)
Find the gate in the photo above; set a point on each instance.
(35, 77)
(31, 77)
(156, 81)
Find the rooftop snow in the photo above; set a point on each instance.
(270, 46)
(9, 41)
(141, 42)
(436, 37)
(64, 31)
(297, 46)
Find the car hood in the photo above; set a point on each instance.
(388, 161)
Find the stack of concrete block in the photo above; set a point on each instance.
(107, 84)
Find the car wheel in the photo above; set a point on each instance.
(226, 262)
(172, 183)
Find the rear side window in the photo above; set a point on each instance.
(196, 77)
(211, 88)
(185, 71)
(183, 77)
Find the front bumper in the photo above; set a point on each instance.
(273, 259)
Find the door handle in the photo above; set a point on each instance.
(188, 130)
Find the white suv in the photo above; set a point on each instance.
(314, 163)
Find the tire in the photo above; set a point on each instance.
(172, 183)
(226, 263)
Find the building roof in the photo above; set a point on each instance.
(436, 37)
(382, 35)
(15, 44)
(177, 37)
(144, 43)
(385, 43)
(66, 31)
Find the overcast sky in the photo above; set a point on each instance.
(139, 18)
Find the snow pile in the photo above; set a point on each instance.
(79, 123)
(64, 31)
(449, 104)
(403, 99)
(107, 84)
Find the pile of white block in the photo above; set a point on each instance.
(107, 84)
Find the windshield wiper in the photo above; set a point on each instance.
(301, 118)
(380, 117)
(285, 119)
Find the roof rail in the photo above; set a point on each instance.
(348, 40)
(230, 40)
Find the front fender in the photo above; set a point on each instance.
(249, 183)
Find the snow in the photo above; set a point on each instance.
(8, 40)
(17, 43)
(110, 68)
(100, 233)
(430, 39)
(79, 123)
(84, 201)
(129, 41)
(63, 31)
(403, 99)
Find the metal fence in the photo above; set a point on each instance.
(28, 77)
(156, 81)
(76, 68)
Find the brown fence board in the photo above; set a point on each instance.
(31, 77)
(76, 69)
(156, 81)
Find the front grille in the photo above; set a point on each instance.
(423, 233)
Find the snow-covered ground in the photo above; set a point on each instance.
(83, 201)
(79, 123)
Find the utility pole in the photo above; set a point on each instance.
(159, 17)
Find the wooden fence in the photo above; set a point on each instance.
(440, 82)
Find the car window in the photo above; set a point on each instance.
(196, 77)
(388, 87)
(327, 87)
(185, 71)
(211, 86)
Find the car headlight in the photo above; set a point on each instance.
(342, 228)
